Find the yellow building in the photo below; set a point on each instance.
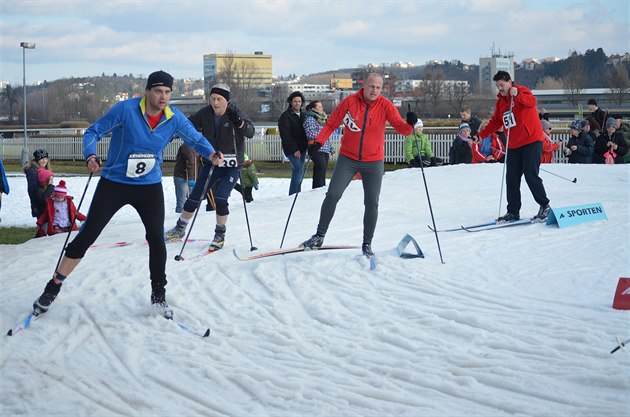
(248, 70)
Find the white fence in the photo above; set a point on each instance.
(259, 148)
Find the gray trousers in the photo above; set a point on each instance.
(372, 178)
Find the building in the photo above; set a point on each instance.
(252, 69)
(488, 67)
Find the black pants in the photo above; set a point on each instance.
(524, 161)
(148, 200)
(320, 164)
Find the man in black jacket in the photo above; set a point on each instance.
(294, 142)
(226, 127)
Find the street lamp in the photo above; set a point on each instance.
(25, 46)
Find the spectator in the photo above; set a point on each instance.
(610, 147)
(598, 114)
(39, 161)
(227, 127)
(249, 179)
(59, 214)
(549, 145)
(624, 129)
(187, 163)
(594, 128)
(461, 149)
(45, 189)
(294, 142)
(314, 120)
(579, 148)
(473, 121)
(489, 149)
(4, 184)
(586, 126)
(411, 144)
(515, 111)
(364, 115)
(543, 115)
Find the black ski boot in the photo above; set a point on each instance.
(159, 304)
(42, 304)
(219, 238)
(366, 248)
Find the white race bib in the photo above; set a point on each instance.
(508, 119)
(139, 164)
(229, 161)
(349, 121)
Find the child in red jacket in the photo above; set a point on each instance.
(59, 213)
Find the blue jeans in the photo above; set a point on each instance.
(297, 173)
(181, 192)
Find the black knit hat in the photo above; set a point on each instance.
(222, 90)
(160, 79)
(40, 154)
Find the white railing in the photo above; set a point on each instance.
(259, 148)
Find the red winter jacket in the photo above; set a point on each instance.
(497, 150)
(548, 148)
(49, 216)
(364, 131)
(528, 128)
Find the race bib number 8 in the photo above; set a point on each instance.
(508, 119)
(139, 164)
(229, 161)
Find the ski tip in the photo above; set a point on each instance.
(207, 333)
(10, 332)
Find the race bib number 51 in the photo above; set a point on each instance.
(508, 119)
(139, 164)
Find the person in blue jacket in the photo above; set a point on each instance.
(140, 129)
(4, 184)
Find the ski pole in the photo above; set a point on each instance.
(205, 190)
(426, 188)
(251, 244)
(295, 199)
(507, 144)
(574, 180)
(74, 219)
(620, 345)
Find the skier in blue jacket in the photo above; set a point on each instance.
(141, 128)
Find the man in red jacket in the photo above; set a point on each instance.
(516, 112)
(364, 115)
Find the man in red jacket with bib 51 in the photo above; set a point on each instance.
(364, 115)
(515, 110)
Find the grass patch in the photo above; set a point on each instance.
(16, 235)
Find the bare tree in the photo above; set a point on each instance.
(12, 97)
(618, 84)
(457, 94)
(241, 77)
(432, 84)
(574, 78)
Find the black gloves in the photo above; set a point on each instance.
(314, 147)
(412, 118)
(232, 114)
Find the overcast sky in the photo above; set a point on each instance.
(83, 38)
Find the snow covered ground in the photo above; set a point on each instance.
(516, 322)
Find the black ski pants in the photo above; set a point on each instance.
(524, 161)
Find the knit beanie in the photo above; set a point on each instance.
(464, 126)
(611, 122)
(43, 175)
(222, 90)
(60, 189)
(160, 79)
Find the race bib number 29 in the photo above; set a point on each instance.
(139, 164)
(229, 161)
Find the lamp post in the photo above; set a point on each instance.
(25, 46)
